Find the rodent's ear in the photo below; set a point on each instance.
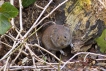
(46, 25)
(49, 23)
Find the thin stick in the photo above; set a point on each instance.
(1, 68)
(6, 44)
(102, 3)
(33, 60)
(5, 67)
(20, 7)
(37, 37)
(25, 53)
(39, 6)
(85, 57)
(13, 61)
(12, 20)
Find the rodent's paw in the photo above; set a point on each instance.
(63, 53)
(71, 45)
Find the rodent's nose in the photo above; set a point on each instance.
(62, 44)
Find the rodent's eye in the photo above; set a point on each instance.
(64, 36)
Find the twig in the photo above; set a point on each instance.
(37, 37)
(5, 67)
(20, 7)
(13, 61)
(11, 37)
(33, 60)
(39, 6)
(102, 3)
(102, 69)
(6, 44)
(12, 20)
(25, 53)
(85, 57)
(79, 54)
(101, 59)
(1, 68)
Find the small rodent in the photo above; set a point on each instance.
(56, 37)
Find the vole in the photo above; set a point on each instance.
(56, 37)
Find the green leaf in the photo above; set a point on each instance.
(101, 41)
(8, 10)
(26, 3)
(4, 24)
